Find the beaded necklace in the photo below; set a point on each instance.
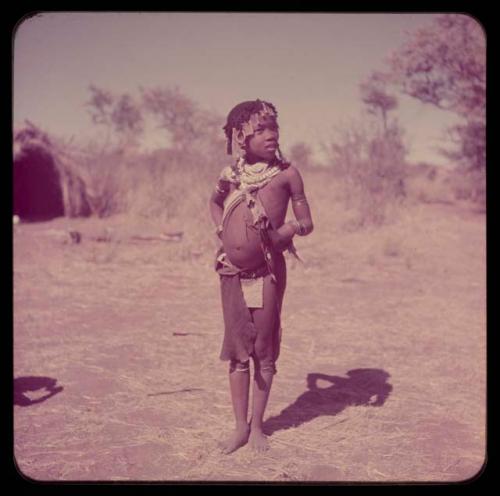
(256, 175)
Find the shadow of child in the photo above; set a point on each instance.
(22, 385)
(361, 387)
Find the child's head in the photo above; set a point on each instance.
(253, 126)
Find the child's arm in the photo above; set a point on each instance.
(300, 206)
(303, 225)
(216, 203)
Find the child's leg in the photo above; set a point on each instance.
(239, 384)
(266, 321)
(262, 383)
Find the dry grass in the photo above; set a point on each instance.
(131, 330)
(447, 186)
(149, 195)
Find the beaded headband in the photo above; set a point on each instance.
(248, 128)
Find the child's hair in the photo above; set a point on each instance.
(240, 114)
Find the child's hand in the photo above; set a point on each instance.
(274, 237)
(278, 240)
(282, 237)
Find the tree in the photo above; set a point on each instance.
(120, 113)
(470, 149)
(444, 64)
(99, 105)
(173, 111)
(376, 98)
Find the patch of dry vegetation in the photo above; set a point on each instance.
(129, 324)
(134, 339)
(166, 190)
(369, 166)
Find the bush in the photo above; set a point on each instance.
(165, 187)
(469, 185)
(301, 155)
(369, 163)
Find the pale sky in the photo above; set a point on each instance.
(308, 65)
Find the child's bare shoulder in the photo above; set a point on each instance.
(292, 170)
(292, 174)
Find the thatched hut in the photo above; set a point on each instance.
(46, 184)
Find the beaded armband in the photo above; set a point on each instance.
(299, 201)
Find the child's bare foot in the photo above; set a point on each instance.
(237, 439)
(258, 440)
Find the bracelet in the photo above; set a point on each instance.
(300, 228)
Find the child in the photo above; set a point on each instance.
(249, 206)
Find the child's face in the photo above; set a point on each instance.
(264, 141)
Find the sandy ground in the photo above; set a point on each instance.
(117, 376)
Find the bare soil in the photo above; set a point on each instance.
(116, 345)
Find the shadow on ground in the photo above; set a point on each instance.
(367, 387)
(41, 389)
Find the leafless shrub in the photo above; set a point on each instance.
(370, 165)
(300, 155)
(172, 182)
(426, 183)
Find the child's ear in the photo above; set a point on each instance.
(240, 138)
